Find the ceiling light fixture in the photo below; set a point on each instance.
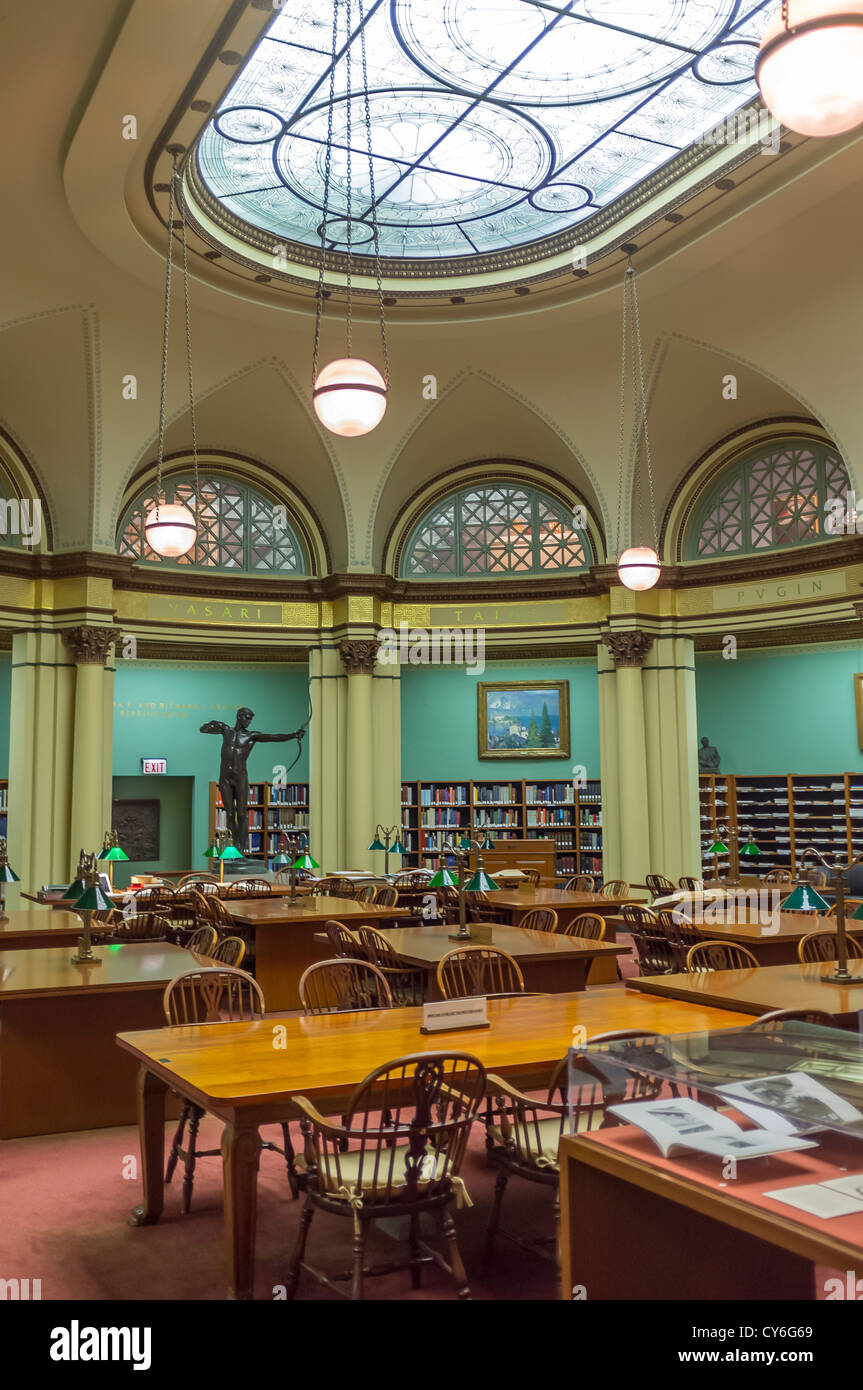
(349, 394)
(810, 67)
(171, 528)
(638, 567)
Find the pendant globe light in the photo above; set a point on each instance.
(810, 67)
(639, 566)
(349, 394)
(171, 528)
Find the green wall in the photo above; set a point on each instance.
(176, 798)
(159, 707)
(785, 711)
(5, 711)
(439, 722)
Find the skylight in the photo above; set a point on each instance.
(495, 123)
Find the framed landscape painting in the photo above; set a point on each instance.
(523, 719)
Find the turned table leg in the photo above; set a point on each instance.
(241, 1149)
(151, 1133)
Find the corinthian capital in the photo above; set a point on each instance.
(89, 645)
(628, 648)
(359, 656)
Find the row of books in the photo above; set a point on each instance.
(494, 793)
(442, 816)
(256, 819)
(291, 794)
(444, 796)
(549, 815)
(554, 792)
(497, 817)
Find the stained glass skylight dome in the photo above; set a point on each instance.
(496, 125)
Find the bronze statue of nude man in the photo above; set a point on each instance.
(237, 744)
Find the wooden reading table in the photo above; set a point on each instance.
(24, 928)
(758, 991)
(233, 1071)
(516, 902)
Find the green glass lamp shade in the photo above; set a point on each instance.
(397, 847)
(750, 850)
(281, 860)
(718, 848)
(115, 853)
(212, 852)
(857, 914)
(93, 900)
(75, 889)
(231, 852)
(306, 861)
(487, 843)
(8, 875)
(804, 899)
(481, 883)
(376, 844)
(443, 879)
(464, 842)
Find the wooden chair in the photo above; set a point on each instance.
(472, 970)
(219, 914)
(719, 955)
(203, 940)
(680, 934)
(851, 905)
(615, 888)
(343, 986)
(143, 926)
(821, 945)
(405, 1167)
(481, 908)
(196, 878)
(344, 942)
(539, 919)
(209, 887)
(653, 950)
(187, 907)
(157, 899)
(526, 1137)
(581, 883)
(217, 995)
(413, 878)
(366, 893)
(407, 982)
(387, 897)
(778, 876)
(230, 951)
(588, 925)
(532, 876)
(659, 885)
(249, 888)
(691, 885)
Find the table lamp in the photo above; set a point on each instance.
(728, 842)
(387, 839)
(112, 852)
(230, 851)
(804, 898)
(479, 882)
(7, 875)
(91, 900)
(842, 975)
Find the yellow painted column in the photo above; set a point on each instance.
(40, 760)
(387, 745)
(609, 765)
(628, 649)
(672, 757)
(359, 656)
(90, 814)
(327, 756)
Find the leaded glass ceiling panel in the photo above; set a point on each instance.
(495, 123)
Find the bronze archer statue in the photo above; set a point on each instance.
(237, 744)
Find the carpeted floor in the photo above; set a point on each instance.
(66, 1197)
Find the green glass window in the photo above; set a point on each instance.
(239, 528)
(496, 529)
(773, 497)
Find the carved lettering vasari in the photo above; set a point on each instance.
(628, 648)
(359, 656)
(89, 645)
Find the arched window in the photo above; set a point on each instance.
(497, 528)
(23, 517)
(767, 499)
(239, 528)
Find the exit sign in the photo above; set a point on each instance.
(154, 765)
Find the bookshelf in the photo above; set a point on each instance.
(571, 816)
(784, 812)
(271, 810)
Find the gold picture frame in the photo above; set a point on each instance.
(519, 719)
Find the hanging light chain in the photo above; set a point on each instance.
(373, 201)
(319, 302)
(622, 412)
(349, 320)
(639, 362)
(166, 324)
(188, 313)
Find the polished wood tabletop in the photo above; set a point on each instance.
(254, 912)
(32, 923)
(786, 927)
(131, 966)
(236, 1064)
(427, 945)
(759, 990)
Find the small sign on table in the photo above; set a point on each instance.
(452, 1015)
